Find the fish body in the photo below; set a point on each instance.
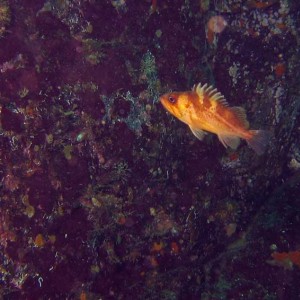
(204, 109)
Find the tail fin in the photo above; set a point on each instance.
(259, 140)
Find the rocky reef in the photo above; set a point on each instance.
(104, 195)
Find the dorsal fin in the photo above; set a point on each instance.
(240, 113)
(209, 91)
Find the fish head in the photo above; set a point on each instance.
(175, 103)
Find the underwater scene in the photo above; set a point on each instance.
(150, 149)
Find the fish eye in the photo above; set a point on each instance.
(172, 99)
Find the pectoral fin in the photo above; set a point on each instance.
(198, 133)
(229, 141)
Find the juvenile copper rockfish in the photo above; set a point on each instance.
(205, 109)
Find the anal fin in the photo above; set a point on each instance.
(198, 133)
(229, 141)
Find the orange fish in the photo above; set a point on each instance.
(205, 109)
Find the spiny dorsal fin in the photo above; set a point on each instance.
(240, 113)
(210, 92)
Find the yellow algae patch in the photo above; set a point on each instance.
(52, 238)
(39, 241)
(68, 152)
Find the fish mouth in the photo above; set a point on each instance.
(165, 104)
(172, 108)
(168, 107)
(162, 100)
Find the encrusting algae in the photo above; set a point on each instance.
(204, 109)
